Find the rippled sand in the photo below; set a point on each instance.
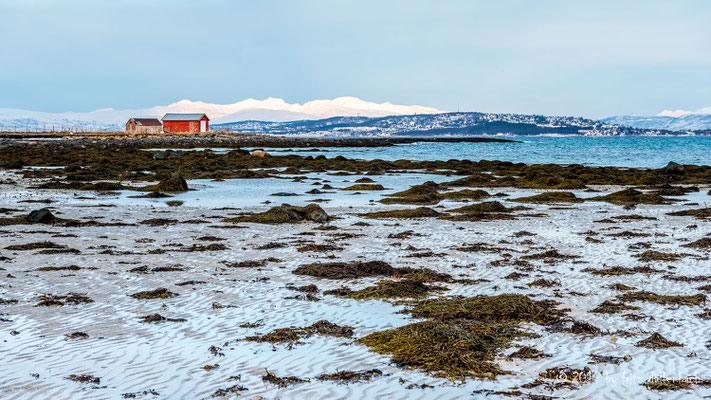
(130, 356)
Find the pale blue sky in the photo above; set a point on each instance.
(589, 58)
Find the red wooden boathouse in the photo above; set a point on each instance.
(185, 123)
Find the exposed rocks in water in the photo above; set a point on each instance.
(41, 216)
(673, 168)
(285, 214)
(172, 184)
(703, 243)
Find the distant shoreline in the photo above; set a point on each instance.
(230, 140)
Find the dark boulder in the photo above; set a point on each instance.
(673, 168)
(41, 216)
(174, 183)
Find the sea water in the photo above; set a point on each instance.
(631, 151)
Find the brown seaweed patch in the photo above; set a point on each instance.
(454, 349)
(550, 197)
(507, 308)
(419, 212)
(691, 300)
(77, 336)
(662, 384)
(699, 213)
(294, 335)
(611, 307)
(160, 293)
(633, 196)
(657, 341)
(84, 378)
(60, 268)
(703, 243)
(346, 377)
(342, 270)
(47, 300)
(281, 381)
(285, 214)
(35, 246)
(528, 353)
(652, 255)
(157, 318)
(364, 186)
(395, 289)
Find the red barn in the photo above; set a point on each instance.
(185, 123)
(143, 125)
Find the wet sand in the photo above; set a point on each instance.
(201, 348)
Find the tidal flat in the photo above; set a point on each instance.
(140, 269)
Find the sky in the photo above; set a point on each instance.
(566, 57)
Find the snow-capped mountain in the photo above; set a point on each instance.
(271, 109)
(678, 120)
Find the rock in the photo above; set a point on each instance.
(673, 168)
(316, 213)
(260, 153)
(41, 216)
(173, 183)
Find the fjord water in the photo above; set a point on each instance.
(630, 151)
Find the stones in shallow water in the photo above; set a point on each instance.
(172, 184)
(160, 293)
(41, 216)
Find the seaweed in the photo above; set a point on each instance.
(486, 207)
(601, 359)
(342, 270)
(364, 186)
(62, 268)
(657, 341)
(528, 353)
(395, 289)
(160, 293)
(703, 243)
(550, 197)
(662, 384)
(508, 308)
(652, 255)
(293, 336)
(611, 307)
(281, 381)
(157, 318)
(229, 391)
(77, 336)
(426, 193)
(699, 213)
(285, 214)
(633, 196)
(346, 377)
(445, 348)
(691, 300)
(47, 300)
(84, 378)
(419, 212)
